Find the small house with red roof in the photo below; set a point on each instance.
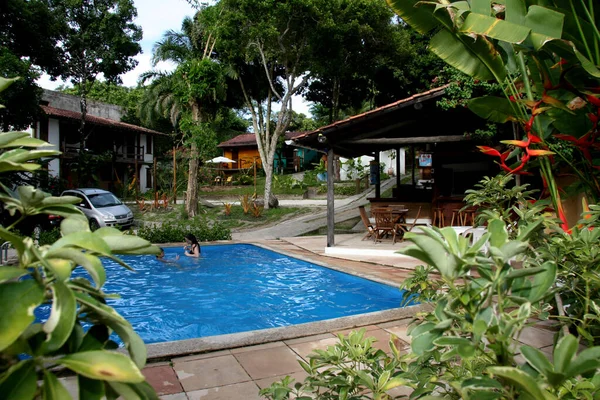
(243, 149)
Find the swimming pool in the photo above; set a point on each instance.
(235, 288)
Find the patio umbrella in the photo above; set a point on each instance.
(220, 159)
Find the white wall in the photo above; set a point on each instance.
(54, 140)
(143, 183)
(384, 157)
(344, 173)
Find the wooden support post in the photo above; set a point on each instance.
(330, 201)
(377, 176)
(154, 176)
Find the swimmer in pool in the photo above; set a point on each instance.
(192, 247)
(161, 257)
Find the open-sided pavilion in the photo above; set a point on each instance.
(450, 160)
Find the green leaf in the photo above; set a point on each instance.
(90, 389)
(129, 244)
(74, 225)
(424, 342)
(19, 382)
(588, 360)
(6, 82)
(499, 234)
(103, 365)
(8, 273)
(512, 249)
(83, 240)
(133, 342)
(92, 264)
(451, 341)
(545, 24)
(540, 287)
(525, 231)
(6, 166)
(515, 11)
(492, 108)
(17, 302)
(33, 142)
(135, 345)
(495, 28)
(517, 273)
(466, 351)
(60, 268)
(53, 389)
(476, 58)
(6, 138)
(564, 352)
(536, 359)
(481, 383)
(142, 391)
(418, 17)
(433, 253)
(59, 325)
(520, 379)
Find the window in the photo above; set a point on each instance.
(148, 143)
(148, 178)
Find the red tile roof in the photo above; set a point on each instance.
(249, 139)
(412, 99)
(73, 115)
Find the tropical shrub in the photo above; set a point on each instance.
(174, 232)
(33, 352)
(544, 55)
(348, 370)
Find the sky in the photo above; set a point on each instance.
(156, 17)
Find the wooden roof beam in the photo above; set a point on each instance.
(407, 140)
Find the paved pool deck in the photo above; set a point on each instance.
(237, 366)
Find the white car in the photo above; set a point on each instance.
(102, 208)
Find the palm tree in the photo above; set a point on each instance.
(196, 89)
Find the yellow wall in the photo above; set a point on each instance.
(244, 159)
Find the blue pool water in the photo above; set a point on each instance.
(235, 288)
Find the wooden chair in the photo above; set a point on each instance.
(142, 206)
(365, 219)
(438, 217)
(165, 201)
(385, 225)
(228, 181)
(410, 223)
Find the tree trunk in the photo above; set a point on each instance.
(268, 181)
(191, 199)
(83, 109)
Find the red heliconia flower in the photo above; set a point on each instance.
(538, 152)
(490, 151)
(518, 143)
(533, 138)
(593, 100)
(529, 124)
(583, 143)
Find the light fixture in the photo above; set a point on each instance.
(321, 138)
(418, 106)
(289, 142)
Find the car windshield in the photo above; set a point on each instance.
(104, 200)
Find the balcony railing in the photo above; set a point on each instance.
(127, 153)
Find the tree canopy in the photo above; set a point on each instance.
(29, 32)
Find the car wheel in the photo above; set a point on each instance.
(94, 225)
